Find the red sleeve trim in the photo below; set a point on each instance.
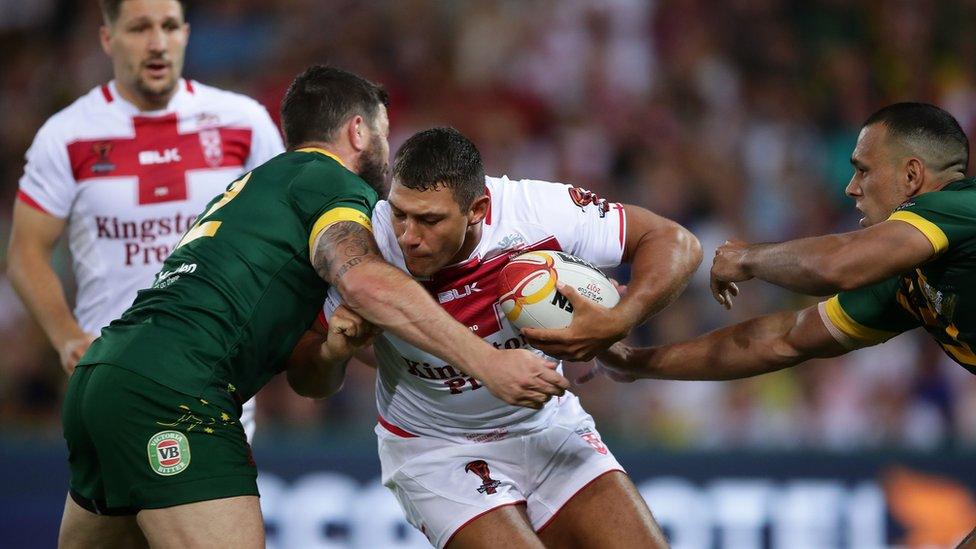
(394, 429)
(26, 199)
(107, 93)
(620, 211)
(322, 320)
(189, 85)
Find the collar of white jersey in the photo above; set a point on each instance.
(112, 96)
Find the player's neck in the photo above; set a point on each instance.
(938, 183)
(142, 101)
(472, 237)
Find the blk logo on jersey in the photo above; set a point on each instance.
(454, 294)
(165, 156)
(169, 453)
(480, 468)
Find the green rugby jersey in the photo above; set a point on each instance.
(238, 291)
(939, 295)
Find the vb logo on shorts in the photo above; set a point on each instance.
(169, 453)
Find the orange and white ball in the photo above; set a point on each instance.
(527, 288)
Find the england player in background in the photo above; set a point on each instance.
(468, 469)
(124, 170)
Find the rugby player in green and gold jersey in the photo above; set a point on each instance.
(912, 265)
(156, 451)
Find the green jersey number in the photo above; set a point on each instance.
(209, 228)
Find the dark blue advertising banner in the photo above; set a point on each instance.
(329, 496)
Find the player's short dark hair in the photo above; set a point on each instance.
(923, 125)
(111, 8)
(322, 98)
(441, 157)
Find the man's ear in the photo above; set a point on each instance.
(914, 176)
(358, 133)
(104, 37)
(479, 209)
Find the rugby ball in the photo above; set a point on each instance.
(527, 288)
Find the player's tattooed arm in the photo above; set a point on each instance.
(341, 247)
(346, 255)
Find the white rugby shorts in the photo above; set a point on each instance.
(247, 419)
(443, 485)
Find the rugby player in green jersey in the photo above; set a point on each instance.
(156, 451)
(912, 265)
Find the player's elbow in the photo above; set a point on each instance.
(368, 284)
(782, 354)
(691, 247)
(18, 262)
(357, 288)
(685, 247)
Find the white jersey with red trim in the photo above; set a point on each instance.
(129, 183)
(417, 393)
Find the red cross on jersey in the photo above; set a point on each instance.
(129, 183)
(160, 156)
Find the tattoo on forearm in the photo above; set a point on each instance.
(343, 246)
(346, 266)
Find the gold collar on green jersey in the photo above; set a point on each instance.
(331, 155)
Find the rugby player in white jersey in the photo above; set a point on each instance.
(124, 170)
(468, 469)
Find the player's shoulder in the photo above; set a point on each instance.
(322, 173)
(523, 197)
(315, 163)
(212, 96)
(76, 118)
(957, 198)
(207, 92)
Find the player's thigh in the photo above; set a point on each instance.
(503, 527)
(608, 513)
(83, 529)
(229, 522)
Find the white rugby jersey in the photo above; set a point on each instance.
(416, 392)
(130, 183)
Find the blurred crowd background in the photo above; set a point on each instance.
(735, 118)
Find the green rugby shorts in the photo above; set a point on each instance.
(135, 444)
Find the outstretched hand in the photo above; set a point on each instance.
(593, 329)
(612, 363)
(727, 269)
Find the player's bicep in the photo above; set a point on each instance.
(811, 337)
(881, 251)
(34, 230)
(643, 225)
(340, 247)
